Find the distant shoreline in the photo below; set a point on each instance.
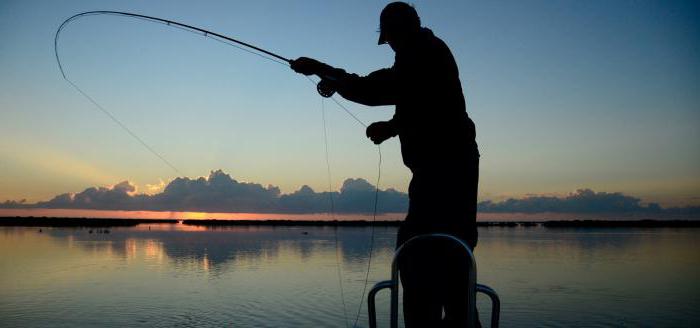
(76, 222)
(115, 222)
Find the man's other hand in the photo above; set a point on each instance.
(306, 65)
(380, 131)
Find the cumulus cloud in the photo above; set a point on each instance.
(219, 192)
(14, 204)
(355, 196)
(115, 197)
(155, 188)
(580, 201)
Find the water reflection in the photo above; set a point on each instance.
(218, 249)
(169, 275)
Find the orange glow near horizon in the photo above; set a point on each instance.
(486, 217)
(38, 212)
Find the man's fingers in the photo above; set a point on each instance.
(377, 139)
(302, 65)
(378, 132)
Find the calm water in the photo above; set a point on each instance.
(173, 275)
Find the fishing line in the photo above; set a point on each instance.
(338, 262)
(371, 239)
(188, 28)
(374, 213)
(332, 206)
(125, 128)
(265, 54)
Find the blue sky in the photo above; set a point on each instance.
(565, 95)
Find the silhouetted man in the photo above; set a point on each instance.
(437, 144)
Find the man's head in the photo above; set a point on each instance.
(398, 23)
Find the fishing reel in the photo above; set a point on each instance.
(325, 89)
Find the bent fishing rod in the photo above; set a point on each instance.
(168, 22)
(241, 45)
(245, 46)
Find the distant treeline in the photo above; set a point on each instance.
(75, 222)
(344, 223)
(546, 224)
(622, 224)
(95, 222)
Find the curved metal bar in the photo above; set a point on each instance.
(371, 307)
(471, 278)
(393, 285)
(394, 282)
(495, 303)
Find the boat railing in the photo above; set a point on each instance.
(472, 286)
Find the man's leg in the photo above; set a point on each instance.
(455, 296)
(422, 305)
(458, 269)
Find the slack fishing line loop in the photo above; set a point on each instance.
(188, 28)
(376, 203)
(265, 54)
(332, 209)
(331, 202)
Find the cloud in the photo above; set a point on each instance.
(155, 188)
(219, 192)
(115, 197)
(14, 204)
(584, 201)
(355, 196)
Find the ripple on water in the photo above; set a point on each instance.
(281, 278)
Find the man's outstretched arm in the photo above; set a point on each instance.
(375, 89)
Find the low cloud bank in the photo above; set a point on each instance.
(585, 201)
(220, 193)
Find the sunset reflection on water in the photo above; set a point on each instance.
(250, 276)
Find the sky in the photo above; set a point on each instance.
(565, 95)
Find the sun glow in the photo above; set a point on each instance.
(39, 212)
